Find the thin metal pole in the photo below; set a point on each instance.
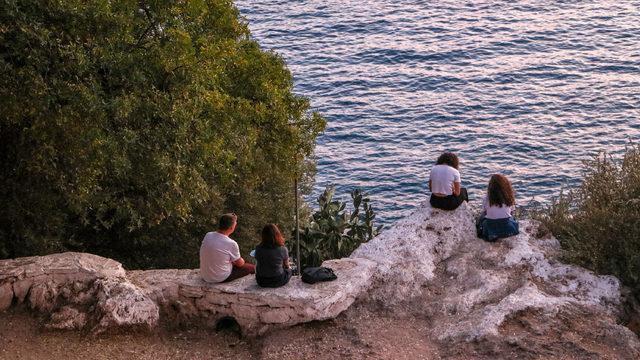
(297, 228)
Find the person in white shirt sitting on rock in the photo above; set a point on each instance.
(496, 221)
(220, 259)
(444, 183)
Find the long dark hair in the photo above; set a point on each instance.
(500, 191)
(271, 236)
(448, 158)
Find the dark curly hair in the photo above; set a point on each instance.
(500, 191)
(448, 158)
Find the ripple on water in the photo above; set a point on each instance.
(529, 89)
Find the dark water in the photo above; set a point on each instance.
(528, 89)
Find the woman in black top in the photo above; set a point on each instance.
(273, 268)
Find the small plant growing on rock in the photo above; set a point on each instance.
(334, 232)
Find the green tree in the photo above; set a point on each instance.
(126, 127)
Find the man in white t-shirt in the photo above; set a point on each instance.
(220, 259)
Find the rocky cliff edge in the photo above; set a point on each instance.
(512, 293)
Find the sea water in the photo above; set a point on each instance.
(529, 89)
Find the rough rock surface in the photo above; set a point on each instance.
(123, 304)
(75, 289)
(432, 264)
(426, 284)
(184, 297)
(45, 281)
(67, 318)
(79, 290)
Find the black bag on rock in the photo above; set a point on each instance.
(312, 275)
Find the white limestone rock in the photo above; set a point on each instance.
(50, 284)
(60, 266)
(408, 252)
(183, 295)
(40, 280)
(99, 292)
(67, 318)
(431, 262)
(43, 295)
(6, 296)
(21, 288)
(122, 304)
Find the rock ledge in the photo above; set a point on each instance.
(84, 291)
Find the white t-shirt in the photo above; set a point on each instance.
(442, 178)
(217, 253)
(496, 212)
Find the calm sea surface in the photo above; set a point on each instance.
(528, 89)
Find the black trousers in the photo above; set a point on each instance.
(450, 202)
(276, 281)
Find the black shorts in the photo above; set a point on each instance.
(450, 202)
(276, 281)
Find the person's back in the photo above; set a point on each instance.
(495, 211)
(273, 268)
(442, 179)
(217, 253)
(496, 221)
(270, 261)
(444, 183)
(220, 259)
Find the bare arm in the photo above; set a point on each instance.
(430, 185)
(239, 262)
(456, 188)
(286, 263)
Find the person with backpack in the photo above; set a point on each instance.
(444, 183)
(496, 221)
(273, 268)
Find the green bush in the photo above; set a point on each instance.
(127, 126)
(598, 223)
(333, 232)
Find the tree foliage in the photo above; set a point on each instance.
(333, 232)
(598, 223)
(127, 126)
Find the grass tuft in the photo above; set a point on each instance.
(598, 223)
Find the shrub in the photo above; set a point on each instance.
(598, 223)
(127, 126)
(334, 232)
